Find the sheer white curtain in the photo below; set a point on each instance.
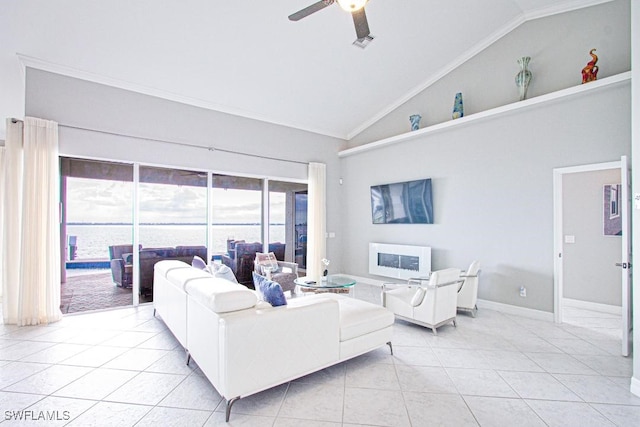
(317, 219)
(31, 270)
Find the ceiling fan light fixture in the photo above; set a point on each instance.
(352, 5)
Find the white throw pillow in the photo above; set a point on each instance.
(225, 272)
(418, 296)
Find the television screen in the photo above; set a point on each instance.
(402, 203)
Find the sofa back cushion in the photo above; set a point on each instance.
(220, 295)
(165, 266)
(181, 277)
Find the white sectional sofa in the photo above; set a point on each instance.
(244, 345)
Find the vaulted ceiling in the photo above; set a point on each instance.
(246, 58)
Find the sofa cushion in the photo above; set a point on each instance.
(220, 295)
(271, 291)
(359, 317)
(399, 301)
(164, 267)
(180, 277)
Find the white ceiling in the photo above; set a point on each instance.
(246, 58)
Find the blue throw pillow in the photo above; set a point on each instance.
(198, 263)
(271, 291)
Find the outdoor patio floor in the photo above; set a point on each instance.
(91, 290)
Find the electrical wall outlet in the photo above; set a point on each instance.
(523, 291)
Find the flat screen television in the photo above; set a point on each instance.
(402, 203)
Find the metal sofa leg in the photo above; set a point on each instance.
(227, 412)
(455, 324)
(188, 357)
(390, 347)
(154, 312)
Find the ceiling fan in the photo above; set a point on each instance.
(356, 7)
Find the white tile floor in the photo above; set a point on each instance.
(122, 367)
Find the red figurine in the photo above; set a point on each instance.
(590, 72)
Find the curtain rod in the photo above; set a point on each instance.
(183, 144)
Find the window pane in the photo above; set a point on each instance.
(173, 207)
(236, 204)
(96, 230)
(173, 219)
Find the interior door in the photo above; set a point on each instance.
(626, 256)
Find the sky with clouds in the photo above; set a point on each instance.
(91, 200)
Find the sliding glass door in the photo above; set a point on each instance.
(96, 233)
(172, 219)
(118, 220)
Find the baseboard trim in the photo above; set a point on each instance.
(635, 386)
(514, 309)
(489, 305)
(593, 306)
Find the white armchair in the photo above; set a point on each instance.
(429, 303)
(468, 292)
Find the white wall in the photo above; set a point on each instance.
(589, 270)
(78, 103)
(493, 190)
(559, 48)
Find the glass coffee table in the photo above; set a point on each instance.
(334, 283)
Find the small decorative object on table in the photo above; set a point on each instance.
(458, 109)
(523, 78)
(325, 273)
(415, 121)
(590, 72)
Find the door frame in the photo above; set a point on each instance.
(558, 272)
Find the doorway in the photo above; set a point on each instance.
(590, 236)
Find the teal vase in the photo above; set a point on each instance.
(415, 121)
(458, 109)
(523, 78)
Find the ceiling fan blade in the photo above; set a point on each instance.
(360, 21)
(310, 9)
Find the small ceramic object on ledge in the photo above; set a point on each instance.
(523, 78)
(415, 121)
(590, 72)
(458, 109)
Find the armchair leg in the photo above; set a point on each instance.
(455, 324)
(474, 312)
(434, 330)
(390, 347)
(227, 412)
(154, 312)
(188, 357)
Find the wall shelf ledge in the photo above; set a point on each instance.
(607, 82)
